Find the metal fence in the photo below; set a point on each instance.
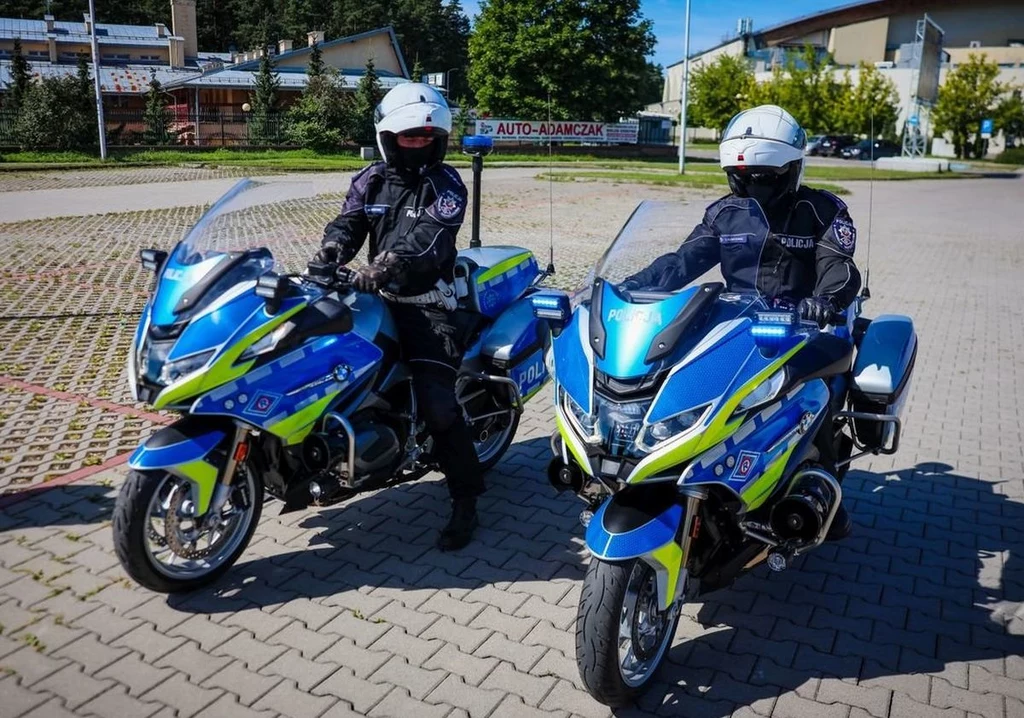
(212, 127)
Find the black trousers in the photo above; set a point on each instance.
(433, 351)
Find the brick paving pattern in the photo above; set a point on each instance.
(11, 181)
(350, 610)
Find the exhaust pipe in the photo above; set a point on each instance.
(565, 477)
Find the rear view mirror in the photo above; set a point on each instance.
(273, 288)
(152, 259)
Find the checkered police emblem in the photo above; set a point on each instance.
(449, 205)
(846, 234)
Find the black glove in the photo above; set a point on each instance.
(629, 285)
(817, 309)
(328, 253)
(370, 278)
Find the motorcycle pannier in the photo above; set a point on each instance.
(881, 376)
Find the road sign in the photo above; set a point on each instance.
(986, 129)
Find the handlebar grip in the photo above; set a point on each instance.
(344, 275)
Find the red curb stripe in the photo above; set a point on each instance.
(77, 475)
(81, 398)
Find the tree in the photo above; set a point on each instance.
(367, 96)
(1011, 118)
(320, 119)
(417, 70)
(872, 102)
(21, 79)
(652, 85)
(590, 56)
(718, 90)
(263, 129)
(970, 95)
(158, 120)
(315, 67)
(84, 101)
(807, 88)
(51, 116)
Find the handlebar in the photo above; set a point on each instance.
(330, 275)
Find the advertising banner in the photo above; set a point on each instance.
(559, 131)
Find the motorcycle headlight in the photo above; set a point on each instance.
(174, 370)
(587, 423)
(671, 427)
(266, 343)
(763, 392)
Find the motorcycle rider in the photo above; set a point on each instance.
(771, 235)
(411, 206)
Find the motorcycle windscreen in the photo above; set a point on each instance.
(234, 242)
(649, 305)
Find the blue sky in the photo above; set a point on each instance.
(710, 20)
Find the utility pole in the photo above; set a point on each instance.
(686, 93)
(96, 80)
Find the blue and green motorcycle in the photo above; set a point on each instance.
(290, 385)
(692, 423)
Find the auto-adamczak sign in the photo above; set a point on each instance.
(605, 132)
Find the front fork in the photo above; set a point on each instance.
(669, 561)
(237, 453)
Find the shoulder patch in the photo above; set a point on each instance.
(449, 204)
(845, 233)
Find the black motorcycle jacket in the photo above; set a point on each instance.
(802, 248)
(415, 217)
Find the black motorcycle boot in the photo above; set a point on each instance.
(842, 525)
(459, 531)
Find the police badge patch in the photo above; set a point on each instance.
(846, 234)
(449, 205)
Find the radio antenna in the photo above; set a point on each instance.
(551, 198)
(865, 291)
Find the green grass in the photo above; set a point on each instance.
(699, 180)
(293, 160)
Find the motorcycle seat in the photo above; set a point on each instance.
(826, 355)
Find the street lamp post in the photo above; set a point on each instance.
(686, 93)
(96, 81)
(448, 80)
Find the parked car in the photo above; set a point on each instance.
(863, 150)
(831, 145)
(813, 143)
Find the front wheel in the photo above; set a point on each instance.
(164, 546)
(621, 635)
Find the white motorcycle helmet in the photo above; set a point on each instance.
(413, 109)
(762, 153)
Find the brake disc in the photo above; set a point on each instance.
(183, 540)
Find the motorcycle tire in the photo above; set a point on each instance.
(131, 521)
(605, 588)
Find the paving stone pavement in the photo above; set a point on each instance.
(350, 610)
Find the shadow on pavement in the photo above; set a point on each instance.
(386, 539)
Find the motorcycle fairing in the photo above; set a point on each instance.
(719, 422)
(181, 449)
(574, 358)
(516, 343)
(228, 342)
(288, 395)
(619, 533)
(751, 461)
(631, 329)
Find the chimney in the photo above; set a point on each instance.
(284, 46)
(176, 47)
(183, 24)
(315, 37)
(88, 23)
(48, 19)
(161, 30)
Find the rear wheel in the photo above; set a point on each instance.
(621, 635)
(492, 420)
(164, 546)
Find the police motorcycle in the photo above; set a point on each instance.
(687, 422)
(290, 384)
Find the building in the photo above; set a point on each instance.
(207, 91)
(877, 32)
